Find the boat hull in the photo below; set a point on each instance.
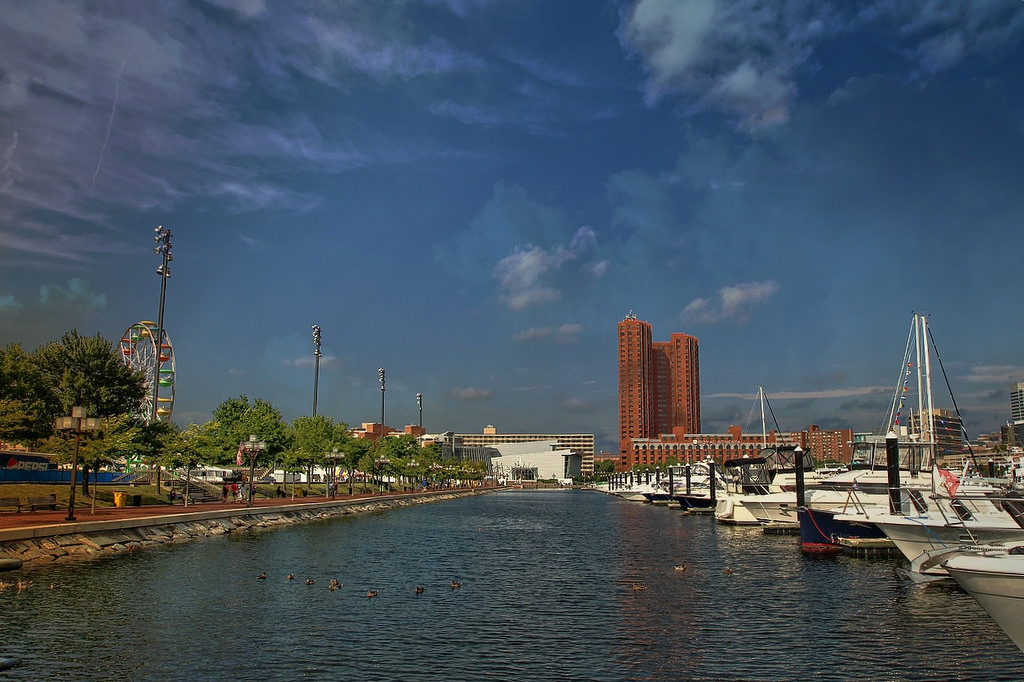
(821, 531)
(912, 539)
(694, 502)
(997, 583)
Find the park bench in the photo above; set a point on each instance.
(48, 502)
(11, 502)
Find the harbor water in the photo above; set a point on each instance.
(547, 593)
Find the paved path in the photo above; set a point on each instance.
(83, 514)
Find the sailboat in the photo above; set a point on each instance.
(868, 481)
(762, 489)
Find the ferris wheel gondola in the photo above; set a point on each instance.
(140, 349)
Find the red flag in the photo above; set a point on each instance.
(238, 457)
(949, 481)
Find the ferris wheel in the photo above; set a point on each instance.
(139, 350)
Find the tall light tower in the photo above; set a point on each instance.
(419, 404)
(162, 237)
(380, 373)
(316, 363)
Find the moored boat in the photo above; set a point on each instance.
(996, 581)
(821, 530)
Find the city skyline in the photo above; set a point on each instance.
(472, 194)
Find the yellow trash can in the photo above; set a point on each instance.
(120, 499)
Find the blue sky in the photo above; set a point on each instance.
(472, 194)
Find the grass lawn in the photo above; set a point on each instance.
(104, 493)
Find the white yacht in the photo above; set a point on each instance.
(996, 581)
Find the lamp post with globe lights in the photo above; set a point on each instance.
(252, 447)
(79, 424)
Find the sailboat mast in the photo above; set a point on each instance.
(918, 349)
(764, 429)
(928, 383)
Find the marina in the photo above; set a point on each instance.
(546, 591)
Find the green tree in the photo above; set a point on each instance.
(356, 451)
(235, 419)
(118, 436)
(28, 402)
(313, 438)
(156, 441)
(86, 371)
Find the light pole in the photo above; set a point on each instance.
(380, 373)
(163, 247)
(316, 363)
(382, 462)
(252, 447)
(77, 424)
(419, 404)
(333, 456)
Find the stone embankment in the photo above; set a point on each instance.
(39, 545)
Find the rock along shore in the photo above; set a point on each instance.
(39, 545)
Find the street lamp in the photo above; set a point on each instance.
(414, 471)
(419, 404)
(163, 247)
(77, 424)
(381, 462)
(316, 363)
(252, 447)
(333, 456)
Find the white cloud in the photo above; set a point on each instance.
(309, 361)
(823, 394)
(578, 405)
(566, 333)
(733, 302)
(522, 274)
(468, 393)
(78, 295)
(740, 57)
(744, 57)
(9, 303)
(994, 374)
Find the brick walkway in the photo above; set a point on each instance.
(26, 519)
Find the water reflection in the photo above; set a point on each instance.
(546, 594)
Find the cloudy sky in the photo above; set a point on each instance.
(473, 193)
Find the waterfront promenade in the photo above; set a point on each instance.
(39, 526)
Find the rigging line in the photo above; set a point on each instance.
(963, 431)
(895, 405)
(778, 429)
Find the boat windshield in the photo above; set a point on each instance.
(915, 456)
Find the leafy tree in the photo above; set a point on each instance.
(118, 436)
(236, 419)
(356, 451)
(156, 441)
(190, 446)
(28, 404)
(88, 372)
(313, 437)
(402, 453)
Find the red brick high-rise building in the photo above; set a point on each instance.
(659, 385)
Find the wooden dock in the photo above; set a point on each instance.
(781, 528)
(868, 547)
